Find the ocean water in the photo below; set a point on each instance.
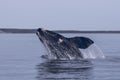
(20, 59)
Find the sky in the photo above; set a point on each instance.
(60, 14)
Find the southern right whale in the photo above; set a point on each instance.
(60, 47)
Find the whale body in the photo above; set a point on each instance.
(60, 47)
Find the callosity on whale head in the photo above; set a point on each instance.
(60, 47)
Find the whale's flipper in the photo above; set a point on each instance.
(81, 42)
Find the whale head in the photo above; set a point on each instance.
(46, 35)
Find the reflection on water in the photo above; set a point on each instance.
(65, 70)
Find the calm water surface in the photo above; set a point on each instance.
(20, 59)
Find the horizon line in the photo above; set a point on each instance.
(16, 30)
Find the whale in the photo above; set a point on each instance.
(61, 47)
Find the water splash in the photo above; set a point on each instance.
(92, 52)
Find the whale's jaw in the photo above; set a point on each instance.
(58, 46)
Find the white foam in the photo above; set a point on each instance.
(92, 52)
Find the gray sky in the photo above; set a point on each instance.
(61, 14)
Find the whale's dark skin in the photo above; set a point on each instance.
(66, 46)
(81, 42)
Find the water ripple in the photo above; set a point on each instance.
(65, 70)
